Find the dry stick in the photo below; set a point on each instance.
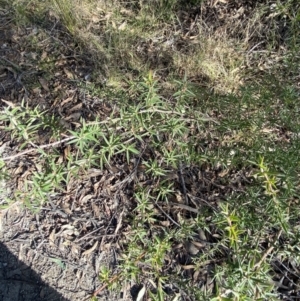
(257, 265)
(185, 207)
(183, 183)
(202, 118)
(291, 272)
(168, 216)
(56, 143)
(203, 200)
(88, 234)
(101, 288)
(40, 147)
(11, 63)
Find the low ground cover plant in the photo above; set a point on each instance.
(196, 126)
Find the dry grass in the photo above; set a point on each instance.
(213, 42)
(217, 61)
(213, 45)
(125, 38)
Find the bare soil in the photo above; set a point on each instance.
(31, 269)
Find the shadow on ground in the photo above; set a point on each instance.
(18, 282)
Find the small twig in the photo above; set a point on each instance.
(255, 46)
(203, 200)
(11, 63)
(88, 234)
(185, 207)
(36, 149)
(119, 223)
(291, 272)
(101, 288)
(183, 183)
(133, 173)
(168, 216)
(257, 265)
(203, 117)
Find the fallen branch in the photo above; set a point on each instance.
(268, 251)
(28, 151)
